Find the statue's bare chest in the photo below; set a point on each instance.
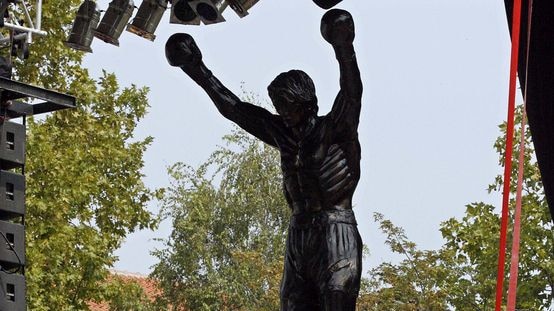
(319, 171)
(310, 171)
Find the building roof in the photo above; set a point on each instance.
(150, 287)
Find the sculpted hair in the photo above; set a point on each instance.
(297, 85)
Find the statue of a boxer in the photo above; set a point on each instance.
(320, 160)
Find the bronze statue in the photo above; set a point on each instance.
(320, 160)
(326, 4)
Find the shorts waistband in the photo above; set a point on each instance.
(323, 217)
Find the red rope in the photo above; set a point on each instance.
(516, 21)
(514, 264)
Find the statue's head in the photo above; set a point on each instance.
(293, 96)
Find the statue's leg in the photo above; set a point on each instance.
(301, 300)
(335, 300)
(340, 281)
(297, 294)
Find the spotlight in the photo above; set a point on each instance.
(114, 21)
(147, 19)
(326, 4)
(241, 7)
(209, 11)
(87, 19)
(182, 13)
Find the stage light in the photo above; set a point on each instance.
(241, 7)
(182, 13)
(87, 19)
(326, 4)
(114, 21)
(147, 19)
(209, 11)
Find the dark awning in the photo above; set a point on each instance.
(540, 84)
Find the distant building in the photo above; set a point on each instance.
(150, 287)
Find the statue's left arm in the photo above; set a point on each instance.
(337, 27)
(181, 51)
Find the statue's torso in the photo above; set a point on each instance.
(320, 172)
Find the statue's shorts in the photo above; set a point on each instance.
(323, 258)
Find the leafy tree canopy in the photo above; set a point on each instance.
(462, 274)
(84, 183)
(229, 225)
(473, 241)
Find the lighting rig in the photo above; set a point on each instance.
(116, 18)
(17, 101)
(16, 17)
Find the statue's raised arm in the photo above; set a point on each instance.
(337, 28)
(181, 51)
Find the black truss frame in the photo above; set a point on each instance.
(11, 91)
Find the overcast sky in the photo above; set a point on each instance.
(435, 76)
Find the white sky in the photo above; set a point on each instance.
(435, 76)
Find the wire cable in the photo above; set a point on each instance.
(20, 263)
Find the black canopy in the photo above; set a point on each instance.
(540, 84)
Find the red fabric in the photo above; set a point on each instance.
(516, 23)
(514, 264)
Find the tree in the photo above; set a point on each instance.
(126, 294)
(84, 187)
(473, 240)
(416, 283)
(229, 226)
(462, 274)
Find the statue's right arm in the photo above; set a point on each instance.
(337, 28)
(182, 51)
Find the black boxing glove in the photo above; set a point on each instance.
(182, 51)
(337, 27)
(326, 4)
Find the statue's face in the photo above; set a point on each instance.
(294, 113)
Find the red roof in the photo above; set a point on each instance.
(150, 287)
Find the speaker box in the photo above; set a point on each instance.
(12, 195)
(12, 145)
(12, 292)
(12, 245)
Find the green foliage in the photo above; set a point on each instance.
(413, 284)
(84, 194)
(462, 274)
(473, 240)
(229, 226)
(84, 188)
(124, 294)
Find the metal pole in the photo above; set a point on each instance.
(26, 29)
(38, 22)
